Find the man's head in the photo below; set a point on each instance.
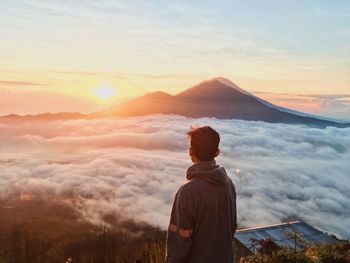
(204, 143)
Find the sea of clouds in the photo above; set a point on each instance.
(132, 167)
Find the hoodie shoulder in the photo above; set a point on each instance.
(188, 187)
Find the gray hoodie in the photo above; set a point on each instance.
(203, 217)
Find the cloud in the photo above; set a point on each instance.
(20, 83)
(133, 166)
(335, 106)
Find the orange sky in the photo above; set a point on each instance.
(78, 49)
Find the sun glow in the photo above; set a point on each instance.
(105, 92)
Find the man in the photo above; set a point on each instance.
(203, 216)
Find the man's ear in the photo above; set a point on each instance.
(217, 152)
(190, 151)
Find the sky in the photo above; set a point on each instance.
(78, 51)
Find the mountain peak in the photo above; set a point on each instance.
(157, 95)
(229, 83)
(216, 88)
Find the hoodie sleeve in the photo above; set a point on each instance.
(234, 209)
(180, 229)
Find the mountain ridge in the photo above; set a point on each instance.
(217, 97)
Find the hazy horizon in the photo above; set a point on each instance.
(17, 102)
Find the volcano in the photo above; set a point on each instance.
(219, 98)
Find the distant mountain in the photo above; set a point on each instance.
(46, 116)
(219, 98)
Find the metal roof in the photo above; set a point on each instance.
(283, 235)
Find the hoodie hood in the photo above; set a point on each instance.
(207, 171)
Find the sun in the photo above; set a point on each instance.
(105, 92)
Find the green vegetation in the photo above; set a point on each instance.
(269, 252)
(38, 231)
(20, 245)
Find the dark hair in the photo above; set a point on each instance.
(204, 142)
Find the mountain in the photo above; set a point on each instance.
(46, 116)
(219, 98)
